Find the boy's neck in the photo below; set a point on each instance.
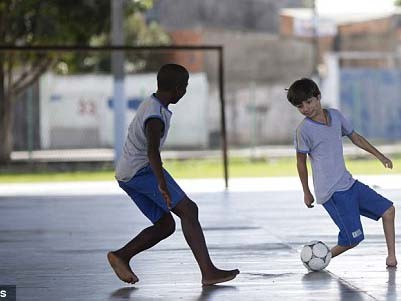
(163, 97)
(321, 117)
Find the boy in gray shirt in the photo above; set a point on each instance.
(141, 175)
(319, 136)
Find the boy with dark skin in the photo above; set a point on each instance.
(319, 136)
(140, 171)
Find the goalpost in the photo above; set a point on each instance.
(213, 48)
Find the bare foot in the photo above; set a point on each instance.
(219, 276)
(122, 268)
(391, 261)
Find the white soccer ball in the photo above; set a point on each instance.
(315, 255)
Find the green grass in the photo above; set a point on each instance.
(206, 169)
(271, 168)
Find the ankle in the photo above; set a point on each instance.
(120, 254)
(210, 270)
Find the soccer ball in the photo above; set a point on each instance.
(315, 255)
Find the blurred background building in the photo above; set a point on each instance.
(267, 45)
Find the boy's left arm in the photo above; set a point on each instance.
(361, 142)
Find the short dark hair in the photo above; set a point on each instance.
(301, 90)
(171, 76)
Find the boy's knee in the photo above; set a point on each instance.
(170, 228)
(353, 245)
(166, 225)
(193, 208)
(349, 247)
(186, 208)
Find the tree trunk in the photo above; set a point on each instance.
(6, 118)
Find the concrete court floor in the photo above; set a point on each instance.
(54, 248)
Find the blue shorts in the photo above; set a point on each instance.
(346, 208)
(144, 191)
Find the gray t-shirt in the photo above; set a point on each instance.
(135, 151)
(323, 144)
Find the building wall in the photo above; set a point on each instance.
(375, 26)
(249, 15)
(370, 98)
(286, 26)
(378, 35)
(192, 60)
(325, 42)
(77, 111)
(374, 35)
(258, 68)
(263, 58)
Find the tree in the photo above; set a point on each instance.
(137, 32)
(45, 22)
(397, 2)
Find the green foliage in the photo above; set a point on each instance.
(137, 33)
(46, 22)
(208, 168)
(66, 22)
(141, 5)
(309, 3)
(36, 22)
(397, 2)
(60, 22)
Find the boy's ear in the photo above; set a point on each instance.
(319, 97)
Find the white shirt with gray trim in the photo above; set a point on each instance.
(135, 151)
(323, 144)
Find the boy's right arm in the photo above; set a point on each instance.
(154, 130)
(303, 176)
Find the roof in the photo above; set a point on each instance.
(307, 13)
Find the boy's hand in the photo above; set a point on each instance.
(308, 200)
(166, 194)
(386, 162)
